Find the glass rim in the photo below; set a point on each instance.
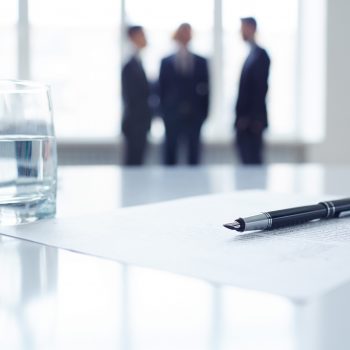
(14, 86)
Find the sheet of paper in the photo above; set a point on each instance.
(186, 237)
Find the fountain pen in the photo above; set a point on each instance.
(292, 216)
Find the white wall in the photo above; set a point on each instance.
(336, 146)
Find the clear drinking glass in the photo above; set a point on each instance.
(28, 158)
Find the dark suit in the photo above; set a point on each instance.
(184, 100)
(251, 113)
(137, 115)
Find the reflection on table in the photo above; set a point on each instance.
(51, 298)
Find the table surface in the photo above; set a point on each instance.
(56, 299)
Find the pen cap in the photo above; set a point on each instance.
(336, 208)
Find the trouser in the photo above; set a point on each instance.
(184, 131)
(135, 147)
(250, 146)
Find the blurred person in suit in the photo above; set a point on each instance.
(251, 112)
(184, 98)
(136, 119)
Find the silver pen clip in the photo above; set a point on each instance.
(344, 213)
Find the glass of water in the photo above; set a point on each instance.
(28, 159)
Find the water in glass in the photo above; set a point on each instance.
(27, 178)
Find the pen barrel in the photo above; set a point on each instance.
(295, 216)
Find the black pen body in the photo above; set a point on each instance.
(295, 216)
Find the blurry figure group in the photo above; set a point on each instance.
(183, 89)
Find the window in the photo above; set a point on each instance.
(75, 47)
(8, 28)
(78, 48)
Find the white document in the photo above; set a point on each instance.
(187, 237)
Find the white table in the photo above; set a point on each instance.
(56, 299)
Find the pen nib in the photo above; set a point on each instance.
(233, 225)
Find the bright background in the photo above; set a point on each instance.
(78, 47)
